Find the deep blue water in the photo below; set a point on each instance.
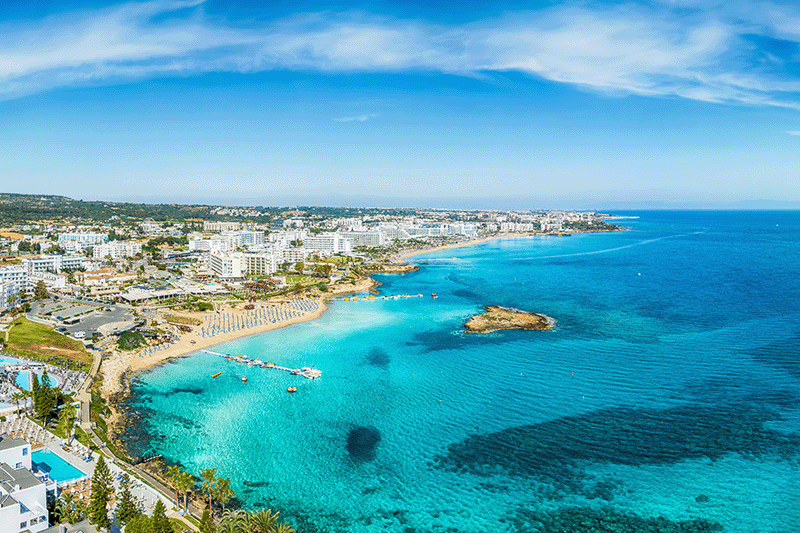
(669, 388)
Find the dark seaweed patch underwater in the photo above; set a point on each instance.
(555, 451)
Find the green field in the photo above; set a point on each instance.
(37, 341)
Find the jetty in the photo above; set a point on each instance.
(372, 297)
(306, 372)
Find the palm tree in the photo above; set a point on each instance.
(16, 397)
(224, 492)
(172, 475)
(234, 522)
(263, 521)
(209, 483)
(184, 483)
(283, 527)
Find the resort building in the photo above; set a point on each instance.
(116, 250)
(56, 263)
(327, 244)
(240, 239)
(370, 239)
(209, 245)
(23, 496)
(221, 226)
(260, 263)
(227, 266)
(12, 280)
(77, 242)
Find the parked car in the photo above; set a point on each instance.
(79, 334)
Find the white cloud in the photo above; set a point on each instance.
(793, 132)
(359, 118)
(662, 49)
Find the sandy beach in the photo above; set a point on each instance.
(465, 244)
(115, 367)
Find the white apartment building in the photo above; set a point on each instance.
(12, 280)
(260, 263)
(293, 223)
(52, 281)
(117, 250)
(327, 244)
(283, 239)
(240, 239)
(370, 239)
(77, 242)
(23, 496)
(221, 226)
(209, 245)
(519, 227)
(227, 265)
(55, 263)
(293, 255)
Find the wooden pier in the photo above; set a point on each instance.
(306, 372)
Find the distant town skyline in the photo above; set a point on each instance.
(559, 105)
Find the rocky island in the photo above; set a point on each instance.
(497, 318)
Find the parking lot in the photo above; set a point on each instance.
(100, 314)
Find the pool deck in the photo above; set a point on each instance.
(139, 490)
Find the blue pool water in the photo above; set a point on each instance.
(670, 388)
(23, 379)
(8, 361)
(56, 467)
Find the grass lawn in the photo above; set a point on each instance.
(37, 341)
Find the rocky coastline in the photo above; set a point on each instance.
(498, 318)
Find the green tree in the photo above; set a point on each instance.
(102, 489)
(69, 509)
(159, 521)
(39, 290)
(140, 524)
(207, 522)
(223, 492)
(300, 267)
(44, 398)
(209, 483)
(172, 475)
(185, 483)
(128, 506)
(16, 397)
(283, 527)
(234, 522)
(263, 521)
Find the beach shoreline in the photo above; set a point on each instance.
(404, 256)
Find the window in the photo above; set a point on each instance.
(23, 525)
(19, 465)
(24, 452)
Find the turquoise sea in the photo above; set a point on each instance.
(666, 398)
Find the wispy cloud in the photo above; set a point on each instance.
(793, 132)
(706, 52)
(359, 118)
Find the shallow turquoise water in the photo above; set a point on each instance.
(668, 388)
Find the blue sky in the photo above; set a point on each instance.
(540, 104)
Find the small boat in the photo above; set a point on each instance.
(218, 374)
(291, 390)
(244, 379)
(433, 295)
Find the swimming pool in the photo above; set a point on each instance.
(23, 381)
(56, 467)
(8, 361)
